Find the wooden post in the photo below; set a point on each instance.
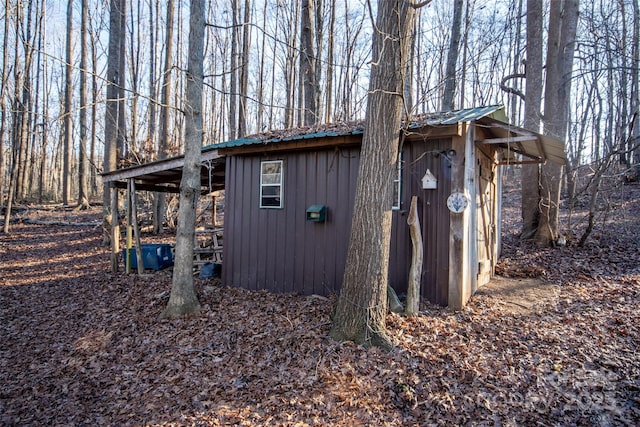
(457, 230)
(127, 265)
(115, 230)
(136, 230)
(214, 211)
(415, 273)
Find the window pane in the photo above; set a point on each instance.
(271, 178)
(271, 167)
(272, 191)
(271, 184)
(271, 201)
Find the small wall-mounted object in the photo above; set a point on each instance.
(457, 202)
(316, 213)
(429, 181)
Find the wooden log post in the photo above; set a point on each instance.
(127, 258)
(115, 229)
(415, 273)
(136, 230)
(214, 210)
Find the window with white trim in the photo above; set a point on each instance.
(397, 184)
(271, 184)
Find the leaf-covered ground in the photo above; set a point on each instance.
(82, 346)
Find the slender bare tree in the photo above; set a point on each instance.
(307, 58)
(83, 183)
(452, 56)
(165, 119)
(183, 299)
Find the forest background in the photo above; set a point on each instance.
(256, 65)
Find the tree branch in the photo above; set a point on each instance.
(512, 90)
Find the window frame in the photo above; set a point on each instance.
(396, 203)
(279, 185)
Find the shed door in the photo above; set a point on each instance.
(486, 218)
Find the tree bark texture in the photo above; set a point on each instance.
(163, 144)
(563, 21)
(308, 64)
(111, 130)
(83, 183)
(362, 305)
(452, 57)
(68, 124)
(183, 299)
(533, 96)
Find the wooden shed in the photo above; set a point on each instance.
(289, 199)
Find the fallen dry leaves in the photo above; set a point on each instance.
(82, 346)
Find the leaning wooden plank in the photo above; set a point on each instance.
(415, 272)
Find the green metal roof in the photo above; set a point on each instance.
(334, 130)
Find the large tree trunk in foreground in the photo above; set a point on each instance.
(362, 305)
(183, 299)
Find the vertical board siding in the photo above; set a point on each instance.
(277, 249)
(419, 156)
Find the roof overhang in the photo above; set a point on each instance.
(165, 175)
(531, 146)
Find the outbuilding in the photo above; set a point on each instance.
(289, 200)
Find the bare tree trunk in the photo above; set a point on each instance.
(233, 88)
(25, 104)
(308, 64)
(290, 67)
(153, 94)
(21, 96)
(328, 115)
(183, 299)
(244, 71)
(3, 86)
(261, 77)
(362, 305)
(563, 21)
(452, 57)
(66, 115)
(94, 115)
(111, 128)
(135, 43)
(45, 114)
(163, 143)
(635, 89)
(83, 190)
(533, 98)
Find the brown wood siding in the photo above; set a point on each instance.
(418, 156)
(277, 249)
